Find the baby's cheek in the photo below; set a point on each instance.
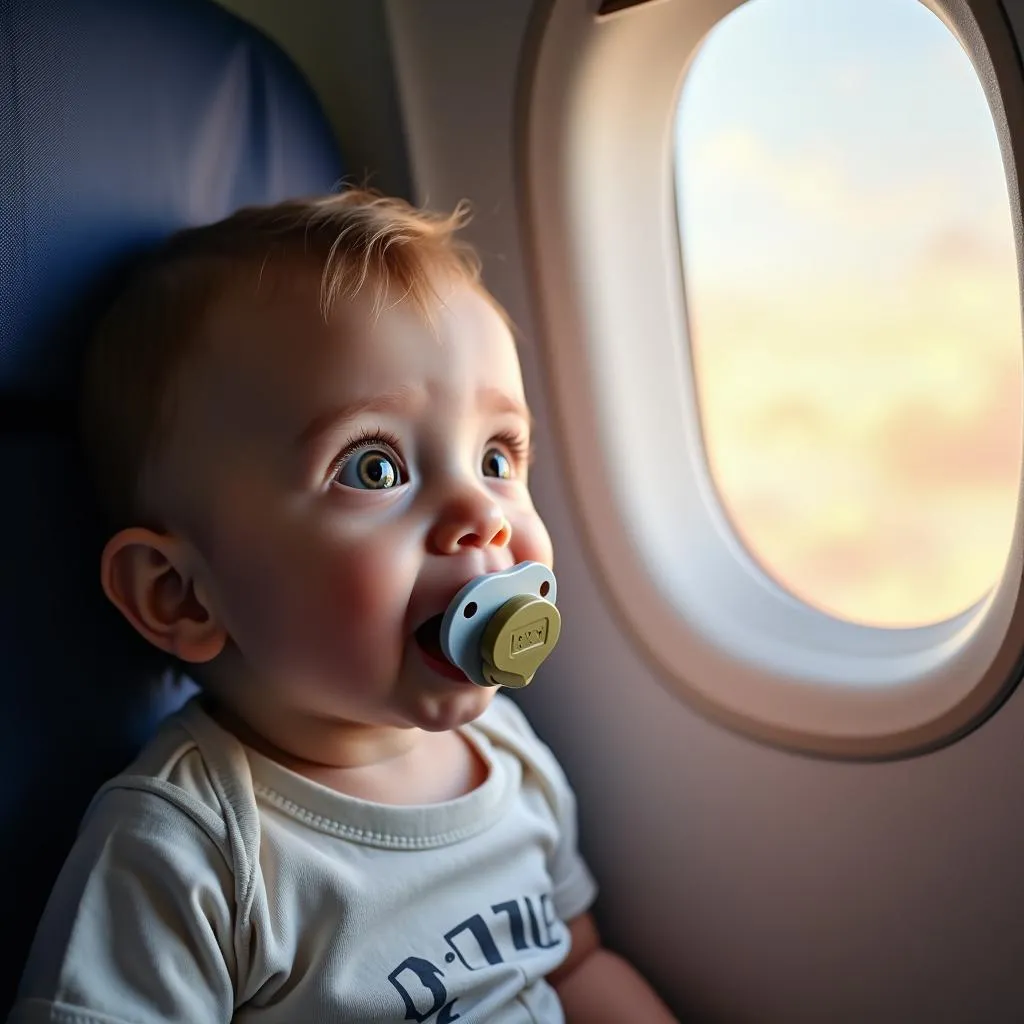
(530, 541)
(366, 591)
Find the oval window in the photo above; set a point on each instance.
(852, 297)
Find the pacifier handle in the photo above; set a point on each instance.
(501, 626)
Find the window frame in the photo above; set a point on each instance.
(597, 104)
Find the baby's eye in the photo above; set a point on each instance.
(496, 463)
(370, 469)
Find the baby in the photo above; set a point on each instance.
(308, 427)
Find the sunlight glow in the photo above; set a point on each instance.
(854, 311)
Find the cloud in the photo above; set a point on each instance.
(891, 502)
(921, 444)
(814, 184)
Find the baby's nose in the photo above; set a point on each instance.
(470, 518)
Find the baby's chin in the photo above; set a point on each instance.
(440, 713)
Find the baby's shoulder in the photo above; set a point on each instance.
(191, 769)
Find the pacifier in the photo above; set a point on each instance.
(500, 626)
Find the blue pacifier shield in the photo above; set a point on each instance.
(501, 625)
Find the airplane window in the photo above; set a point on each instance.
(774, 252)
(854, 317)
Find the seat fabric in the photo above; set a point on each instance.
(120, 121)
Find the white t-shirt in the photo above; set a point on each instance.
(210, 884)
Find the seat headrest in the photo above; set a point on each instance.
(121, 121)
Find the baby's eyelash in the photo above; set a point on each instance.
(518, 446)
(366, 438)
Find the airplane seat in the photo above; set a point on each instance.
(119, 123)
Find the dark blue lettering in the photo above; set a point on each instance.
(515, 922)
(429, 977)
(535, 927)
(550, 918)
(484, 940)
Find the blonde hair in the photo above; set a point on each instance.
(356, 239)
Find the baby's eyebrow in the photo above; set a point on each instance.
(403, 399)
(496, 400)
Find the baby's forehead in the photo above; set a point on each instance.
(271, 347)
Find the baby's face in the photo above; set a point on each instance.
(341, 482)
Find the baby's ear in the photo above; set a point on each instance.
(148, 576)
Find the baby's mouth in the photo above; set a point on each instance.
(428, 636)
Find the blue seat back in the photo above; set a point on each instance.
(120, 121)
